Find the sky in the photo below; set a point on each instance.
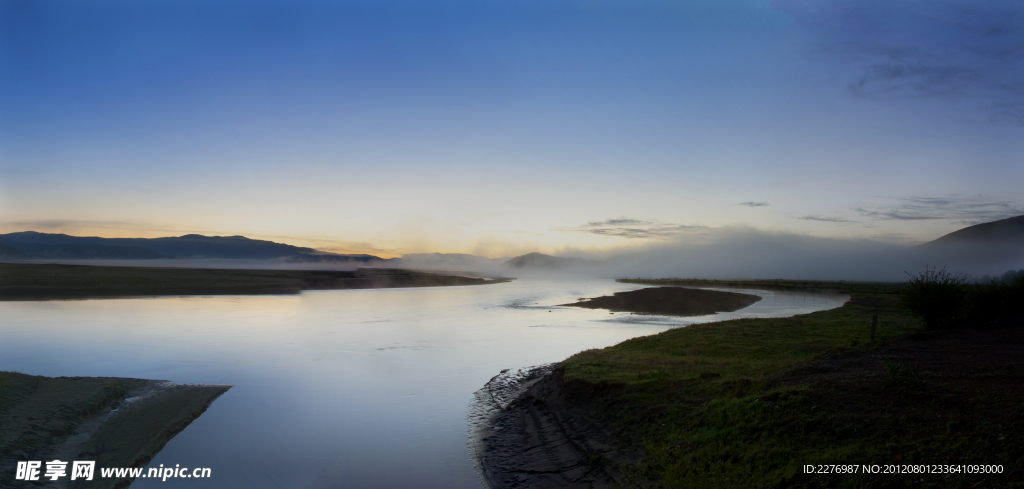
(498, 127)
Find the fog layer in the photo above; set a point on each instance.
(749, 253)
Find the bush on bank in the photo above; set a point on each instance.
(944, 300)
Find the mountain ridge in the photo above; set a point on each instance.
(34, 245)
(1003, 231)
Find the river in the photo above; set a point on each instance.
(344, 388)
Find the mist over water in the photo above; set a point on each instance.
(783, 256)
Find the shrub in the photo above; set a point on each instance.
(942, 300)
(996, 300)
(936, 296)
(1011, 276)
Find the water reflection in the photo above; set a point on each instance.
(359, 388)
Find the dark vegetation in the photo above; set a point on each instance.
(945, 300)
(671, 301)
(39, 281)
(749, 402)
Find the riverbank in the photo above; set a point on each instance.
(20, 281)
(749, 403)
(115, 422)
(529, 439)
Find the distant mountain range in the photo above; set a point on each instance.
(33, 245)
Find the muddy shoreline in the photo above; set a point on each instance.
(115, 422)
(523, 437)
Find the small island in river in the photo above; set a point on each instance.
(670, 301)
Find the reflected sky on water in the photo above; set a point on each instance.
(348, 388)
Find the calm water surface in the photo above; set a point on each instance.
(354, 388)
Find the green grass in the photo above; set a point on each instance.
(746, 403)
(42, 281)
(746, 348)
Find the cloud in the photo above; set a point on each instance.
(894, 215)
(916, 80)
(952, 49)
(624, 227)
(618, 222)
(962, 210)
(825, 219)
(754, 204)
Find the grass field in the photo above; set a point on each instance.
(42, 281)
(748, 403)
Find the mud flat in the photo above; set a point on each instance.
(671, 301)
(113, 421)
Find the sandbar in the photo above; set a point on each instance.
(670, 301)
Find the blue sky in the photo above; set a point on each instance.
(497, 127)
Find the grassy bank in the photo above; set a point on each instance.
(748, 403)
(42, 281)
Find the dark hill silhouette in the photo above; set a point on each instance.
(193, 246)
(540, 261)
(1004, 231)
(992, 247)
